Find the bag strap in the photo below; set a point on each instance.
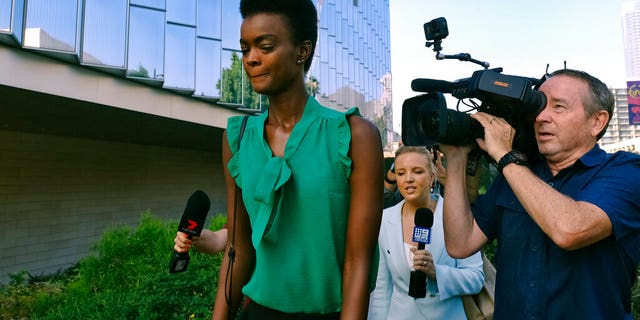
(242, 126)
(232, 250)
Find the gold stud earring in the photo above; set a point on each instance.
(300, 60)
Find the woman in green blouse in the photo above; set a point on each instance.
(309, 186)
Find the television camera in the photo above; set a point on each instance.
(426, 121)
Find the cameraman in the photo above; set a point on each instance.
(568, 223)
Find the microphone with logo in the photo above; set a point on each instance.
(195, 213)
(423, 221)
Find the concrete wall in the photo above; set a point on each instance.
(58, 194)
(32, 71)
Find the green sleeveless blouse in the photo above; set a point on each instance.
(298, 206)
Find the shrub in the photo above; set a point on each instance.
(125, 277)
(26, 293)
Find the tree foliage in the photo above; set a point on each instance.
(235, 88)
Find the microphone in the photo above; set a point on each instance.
(433, 85)
(195, 213)
(423, 221)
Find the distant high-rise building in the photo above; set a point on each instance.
(620, 134)
(619, 128)
(631, 37)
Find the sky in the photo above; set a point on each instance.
(521, 36)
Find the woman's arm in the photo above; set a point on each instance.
(212, 242)
(381, 295)
(209, 242)
(365, 213)
(238, 220)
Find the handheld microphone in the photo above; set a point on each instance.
(195, 213)
(423, 221)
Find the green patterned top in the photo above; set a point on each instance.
(298, 206)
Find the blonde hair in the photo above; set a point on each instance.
(420, 150)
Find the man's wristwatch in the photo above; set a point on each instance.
(513, 156)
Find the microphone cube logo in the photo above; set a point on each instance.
(422, 235)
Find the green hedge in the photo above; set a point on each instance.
(125, 277)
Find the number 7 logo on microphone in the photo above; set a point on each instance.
(192, 224)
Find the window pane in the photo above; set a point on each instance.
(230, 84)
(182, 11)
(264, 102)
(231, 20)
(51, 25)
(330, 22)
(331, 84)
(338, 58)
(157, 4)
(324, 78)
(146, 44)
(209, 18)
(331, 48)
(208, 70)
(18, 19)
(323, 45)
(5, 15)
(250, 98)
(180, 57)
(104, 33)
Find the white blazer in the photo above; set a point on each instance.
(454, 277)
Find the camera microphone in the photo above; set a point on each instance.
(433, 85)
(193, 218)
(423, 221)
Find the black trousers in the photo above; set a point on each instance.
(255, 311)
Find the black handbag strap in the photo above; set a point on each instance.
(242, 126)
(232, 250)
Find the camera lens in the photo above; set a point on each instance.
(430, 123)
(450, 127)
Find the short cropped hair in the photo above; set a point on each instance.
(599, 98)
(301, 15)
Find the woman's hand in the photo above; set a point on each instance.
(423, 261)
(182, 242)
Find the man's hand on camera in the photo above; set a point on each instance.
(498, 135)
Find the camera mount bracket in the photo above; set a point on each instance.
(461, 57)
(437, 47)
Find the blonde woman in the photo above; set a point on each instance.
(447, 278)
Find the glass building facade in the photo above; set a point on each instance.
(351, 66)
(191, 47)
